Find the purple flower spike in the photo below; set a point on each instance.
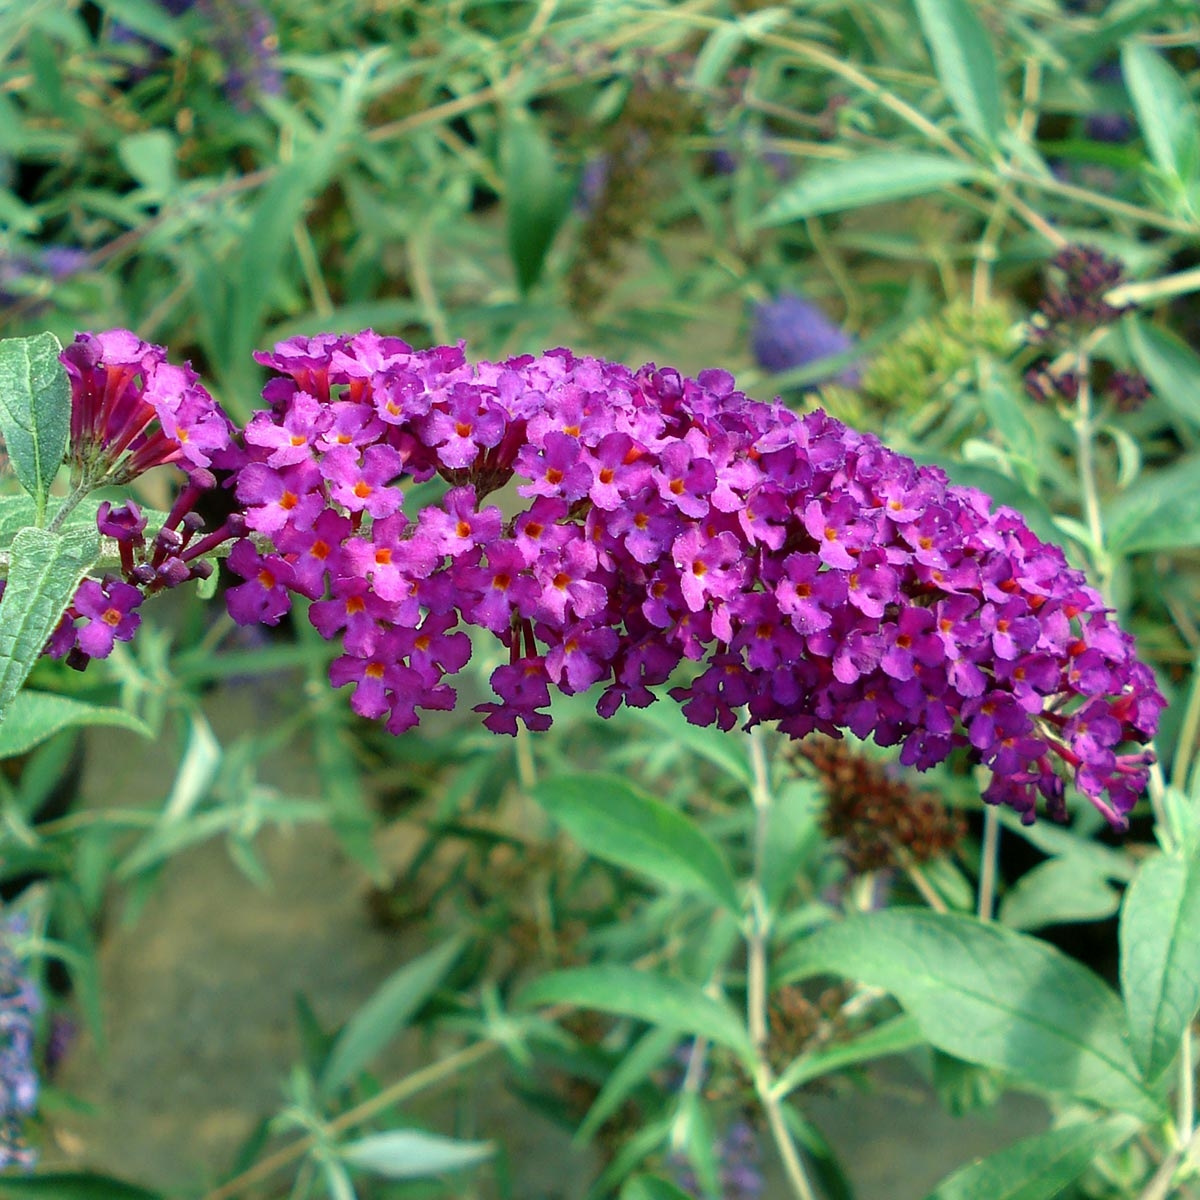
(817, 579)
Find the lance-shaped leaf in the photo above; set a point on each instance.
(966, 63)
(991, 996)
(537, 196)
(619, 824)
(892, 1037)
(72, 1185)
(1036, 1168)
(871, 179)
(44, 571)
(37, 716)
(1160, 958)
(1170, 364)
(412, 1154)
(386, 1014)
(1165, 112)
(657, 999)
(35, 411)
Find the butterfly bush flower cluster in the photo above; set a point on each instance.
(132, 410)
(19, 1005)
(803, 572)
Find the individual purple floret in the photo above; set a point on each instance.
(803, 572)
(19, 1004)
(790, 332)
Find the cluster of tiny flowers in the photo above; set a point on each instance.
(19, 1004)
(790, 332)
(878, 820)
(812, 576)
(131, 410)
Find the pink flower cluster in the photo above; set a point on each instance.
(131, 410)
(811, 575)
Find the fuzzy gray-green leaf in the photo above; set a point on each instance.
(35, 411)
(43, 574)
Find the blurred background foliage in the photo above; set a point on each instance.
(853, 204)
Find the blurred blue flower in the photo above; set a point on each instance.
(739, 1165)
(19, 1004)
(593, 181)
(244, 37)
(49, 262)
(790, 332)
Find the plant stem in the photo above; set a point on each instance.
(989, 242)
(987, 862)
(756, 979)
(1186, 1105)
(400, 1091)
(1159, 1187)
(68, 506)
(1178, 284)
(847, 71)
(1189, 733)
(1085, 462)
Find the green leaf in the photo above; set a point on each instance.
(966, 63)
(72, 1186)
(991, 996)
(272, 228)
(892, 1037)
(652, 1187)
(871, 179)
(793, 834)
(42, 577)
(1160, 957)
(657, 999)
(724, 749)
(386, 1014)
(36, 716)
(724, 44)
(1036, 1168)
(411, 1154)
(1004, 406)
(35, 411)
(616, 822)
(149, 157)
(1161, 513)
(145, 17)
(1164, 108)
(645, 1056)
(537, 196)
(1170, 364)
(1060, 891)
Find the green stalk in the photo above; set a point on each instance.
(757, 940)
